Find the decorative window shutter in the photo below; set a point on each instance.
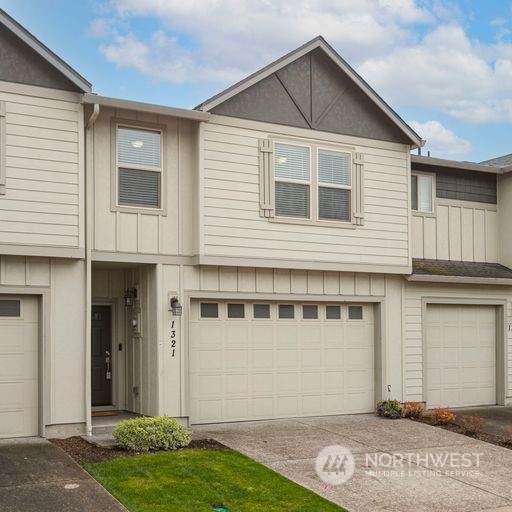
(2, 147)
(358, 187)
(267, 208)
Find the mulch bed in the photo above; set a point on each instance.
(84, 452)
(481, 436)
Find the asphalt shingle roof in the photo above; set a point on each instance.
(500, 161)
(460, 269)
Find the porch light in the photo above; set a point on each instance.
(129, 296)
(176, 307)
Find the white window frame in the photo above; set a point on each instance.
(314, 184)
(116, 165)
(432, 176)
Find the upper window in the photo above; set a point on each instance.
(312, 183)
(422, 193)
(139, 167)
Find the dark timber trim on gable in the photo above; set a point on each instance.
(271, 81)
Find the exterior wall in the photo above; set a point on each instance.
(43, 201)
(61, 283)
(504, 217)
(230, 222)
(458, 231)
(133, 230)
(413, 334)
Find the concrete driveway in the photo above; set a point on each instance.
(497, 419)
(291, 446)
(37, 476)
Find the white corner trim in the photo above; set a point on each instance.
(458, 279)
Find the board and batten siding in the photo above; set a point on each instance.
(413, 331)
(231, 225)
(135, 230)
(43, 200)
(458, 231)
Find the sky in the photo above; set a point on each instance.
(445, 66)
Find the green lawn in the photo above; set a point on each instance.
(202, 480)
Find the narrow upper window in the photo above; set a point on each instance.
(422, 193)
(334, 185)
(139, 167)
(292, 171)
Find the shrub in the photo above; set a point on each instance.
(413, 409)
(144, 434)
(472, 424)
(508, 436)
(391, 409)
(443, 416)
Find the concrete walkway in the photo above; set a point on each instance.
(37, 476)
(291, 446)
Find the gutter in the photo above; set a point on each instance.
(424, 278)
(89, 152)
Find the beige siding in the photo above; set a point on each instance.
(43, 203)
(232, 226)
(413, 333)
(504, 218)
(457, 231)
(132, 230)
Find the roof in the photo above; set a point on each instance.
(36, 45)
(317, 42)
(454, 164)
(464, 269)
(500, 161)
(145, 107)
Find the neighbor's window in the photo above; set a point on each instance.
(422, 193)
(312, 182)
(139, 167)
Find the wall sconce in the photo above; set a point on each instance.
(129, 296)
(175, 306)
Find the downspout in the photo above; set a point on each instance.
(89, 168)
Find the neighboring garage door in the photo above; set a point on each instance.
(18, 366)
(461, 355)
(260, 360)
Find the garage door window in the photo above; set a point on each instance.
(309, 312)
(332, 312)
(209, 310)
(286, 311)
(261, 310)
(10, 308)
(355, 312)
(236, 311)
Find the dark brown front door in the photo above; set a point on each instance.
(101, 363)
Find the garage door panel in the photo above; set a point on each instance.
(271, 368)
(460, 355)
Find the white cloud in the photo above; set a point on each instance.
(441, 142)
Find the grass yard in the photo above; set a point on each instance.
(202, 480)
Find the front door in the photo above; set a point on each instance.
(101, 348)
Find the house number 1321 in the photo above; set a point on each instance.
(173, 340)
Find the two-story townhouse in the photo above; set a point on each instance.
(42, 246)
(268, 254)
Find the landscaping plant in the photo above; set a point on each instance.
(472, 424)
(443, 416)
(413, 409)
(391, 409)
(145, 434)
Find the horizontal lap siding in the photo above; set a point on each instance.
(42, 203)
(232, 225)
(413, 338)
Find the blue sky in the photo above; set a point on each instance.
(445, 66)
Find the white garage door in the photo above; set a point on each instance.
(18, 366)
(461, 355)
(268, 360)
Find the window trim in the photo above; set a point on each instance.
(115, 165)
(15, 317)
(253, 316)
(431, 175)
(356, 306)
(236, 303)
(219, 310)
(3, 147)
(314, 219)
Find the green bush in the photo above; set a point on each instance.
(145, 434)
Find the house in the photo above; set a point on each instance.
(274, 252)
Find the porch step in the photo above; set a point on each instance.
(102, 425)
(101, 440)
